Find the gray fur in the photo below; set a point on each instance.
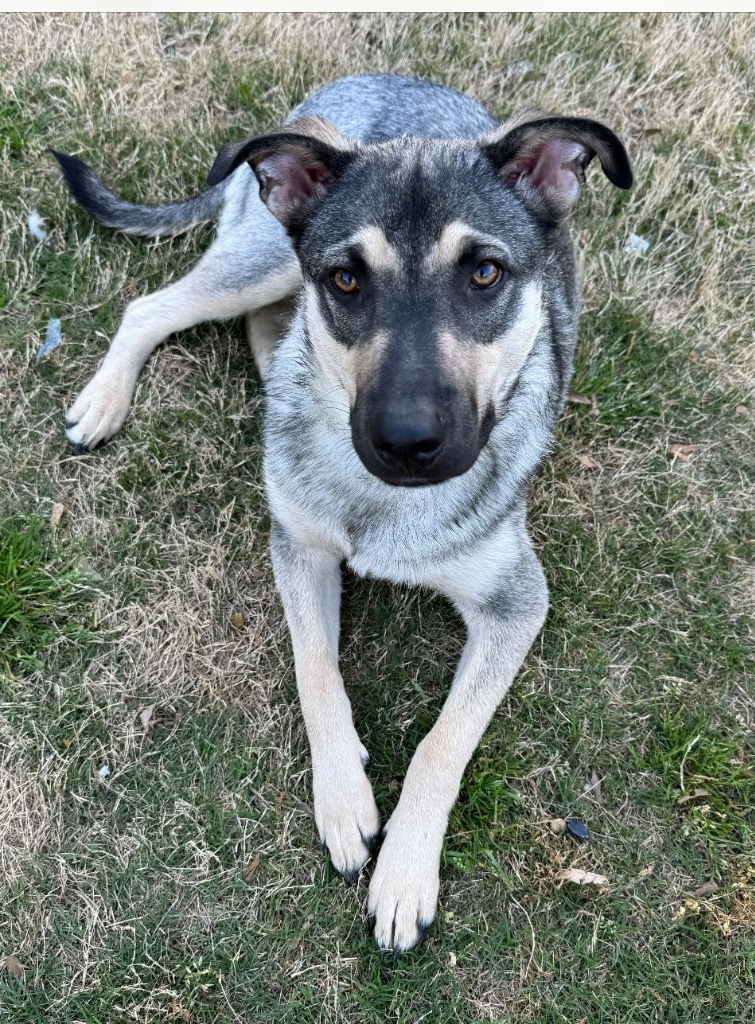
(408, 220)
(374, 108)
(111, 211)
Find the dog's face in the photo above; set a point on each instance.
(423, 264)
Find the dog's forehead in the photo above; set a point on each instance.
(421, 199)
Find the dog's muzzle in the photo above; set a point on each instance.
(414, 443)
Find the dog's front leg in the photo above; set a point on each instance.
(309, 582)
(404, 887)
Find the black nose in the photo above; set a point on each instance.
(408, 436)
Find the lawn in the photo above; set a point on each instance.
(158, 856)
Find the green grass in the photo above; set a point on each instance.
(40, 591)
(187, 884)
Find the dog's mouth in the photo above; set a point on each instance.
(421, 446)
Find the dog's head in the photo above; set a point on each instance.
(424, 264)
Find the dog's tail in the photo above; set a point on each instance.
(152, 221)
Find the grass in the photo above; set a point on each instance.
(38, 596)
(186, 883)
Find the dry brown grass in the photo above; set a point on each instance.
(170, 518)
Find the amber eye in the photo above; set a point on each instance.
(345, 282)
(486, 274)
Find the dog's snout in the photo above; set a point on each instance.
(416, 435)
(408, 436)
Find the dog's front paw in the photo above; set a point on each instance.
(404, 887)
(99, 411)
(345, 812)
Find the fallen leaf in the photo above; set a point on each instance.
(67, 743)
(179, 1011)
(575, 398)
(707, 887)
(580, 877)
(56, 514)
(692, 796)
(146, 717)
(237, 620)
(588, 462)
(251, 868)
(14, 965)
(557, 825)
(681, 451)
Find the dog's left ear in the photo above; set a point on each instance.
(544, 160)
(295, 165)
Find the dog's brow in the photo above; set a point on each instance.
(377, 251)
(453, 239)
(374, 248)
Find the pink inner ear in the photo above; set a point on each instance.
(289, 181)
(554, 169)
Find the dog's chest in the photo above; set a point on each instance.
(397, 534)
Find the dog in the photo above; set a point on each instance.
(411, 299)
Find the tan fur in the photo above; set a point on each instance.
(485, 369)
(264, 329)
(321, 130)
(447, 249)
(404, 886)
(345, 809)
(348, 367)
(453, 238)
(515, 121)
(377, 251)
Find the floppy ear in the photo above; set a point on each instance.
(544, 160)
(294, 165)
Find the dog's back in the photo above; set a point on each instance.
(373, 108)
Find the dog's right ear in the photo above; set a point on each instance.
(295, 165)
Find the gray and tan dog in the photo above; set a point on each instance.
(411, 398)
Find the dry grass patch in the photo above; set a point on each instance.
(186, 884)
